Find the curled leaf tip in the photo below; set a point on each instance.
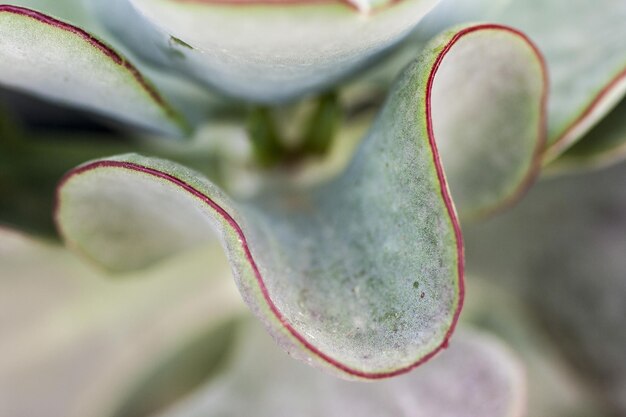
(487, 104)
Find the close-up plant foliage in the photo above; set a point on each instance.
(312, 208)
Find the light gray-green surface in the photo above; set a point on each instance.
(260, 52)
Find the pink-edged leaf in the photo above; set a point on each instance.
(74, 11)
(363, 275)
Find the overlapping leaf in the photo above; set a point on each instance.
(73, 11)
(261, 51)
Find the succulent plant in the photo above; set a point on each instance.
(340, 153)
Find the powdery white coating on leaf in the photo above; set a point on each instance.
(60, 62)
(196, 104)
(260, 52)
(585, 47)
(364, 273)
(316, 280)
(488, 104)
(476, 376)
(142, 221)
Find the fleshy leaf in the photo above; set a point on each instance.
(312, 277)
(261, 51)
(61, 62)
(363, 273)
(82, 339)
(572, 271)
(476, 376)
(585, 47)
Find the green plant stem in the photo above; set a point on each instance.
(323, 125)
(266, 143)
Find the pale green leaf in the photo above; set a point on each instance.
(259, 51)
(476, 376)
(76, 341)
(61, 62)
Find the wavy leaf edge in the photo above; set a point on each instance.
(301, 339)
(236, 228)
